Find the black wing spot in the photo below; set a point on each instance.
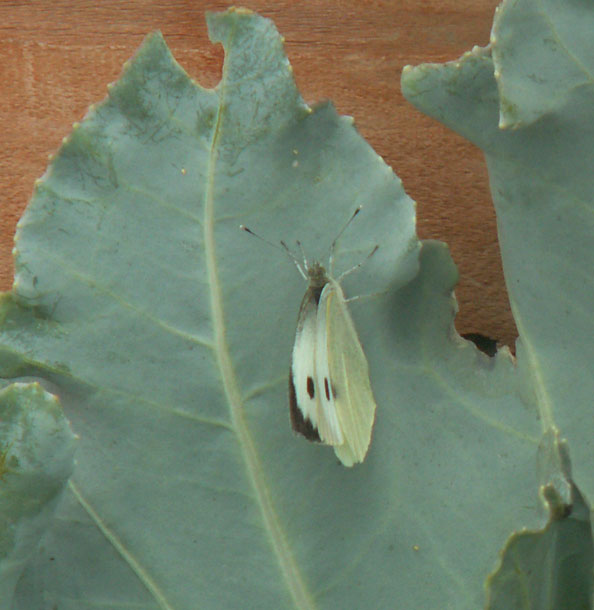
(311, 390)
(327, 389)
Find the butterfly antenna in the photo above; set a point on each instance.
(295, 260)
(333, 244)
(348, 271)
(284, 249)
(305, 264)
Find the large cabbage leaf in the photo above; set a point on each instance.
(167, 334)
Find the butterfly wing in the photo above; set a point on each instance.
(328, 424)
(348, 374)
(312, 409)
(302, 388)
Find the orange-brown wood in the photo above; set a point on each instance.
(57, 56)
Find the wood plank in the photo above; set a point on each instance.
(56, 58)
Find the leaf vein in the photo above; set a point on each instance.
(292, 576)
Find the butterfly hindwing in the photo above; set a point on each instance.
(353, 399)
(327, 420)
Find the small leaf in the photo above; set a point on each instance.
(542, 185)
(550, 568)
(36, 460)
(527, 100)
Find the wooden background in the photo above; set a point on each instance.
(57, 56)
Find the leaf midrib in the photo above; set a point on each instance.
(290, 571)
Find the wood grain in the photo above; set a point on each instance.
(56, 58)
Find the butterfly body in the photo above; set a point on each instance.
(330, 397)
(329, 389)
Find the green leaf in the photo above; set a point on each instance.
(167, 333)
(36, 459)
(527, 101)
(550, 568)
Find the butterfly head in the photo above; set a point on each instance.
(316, 275)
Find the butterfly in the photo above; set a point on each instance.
(330, 395)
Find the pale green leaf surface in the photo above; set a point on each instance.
(543, 52)
(548, 569)
(552, 567)
(542, 184)
(167, 333)
(36, 460)
(528, 102)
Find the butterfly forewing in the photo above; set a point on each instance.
(311, 402)
(302, 383)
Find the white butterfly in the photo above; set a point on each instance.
(330, 397)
